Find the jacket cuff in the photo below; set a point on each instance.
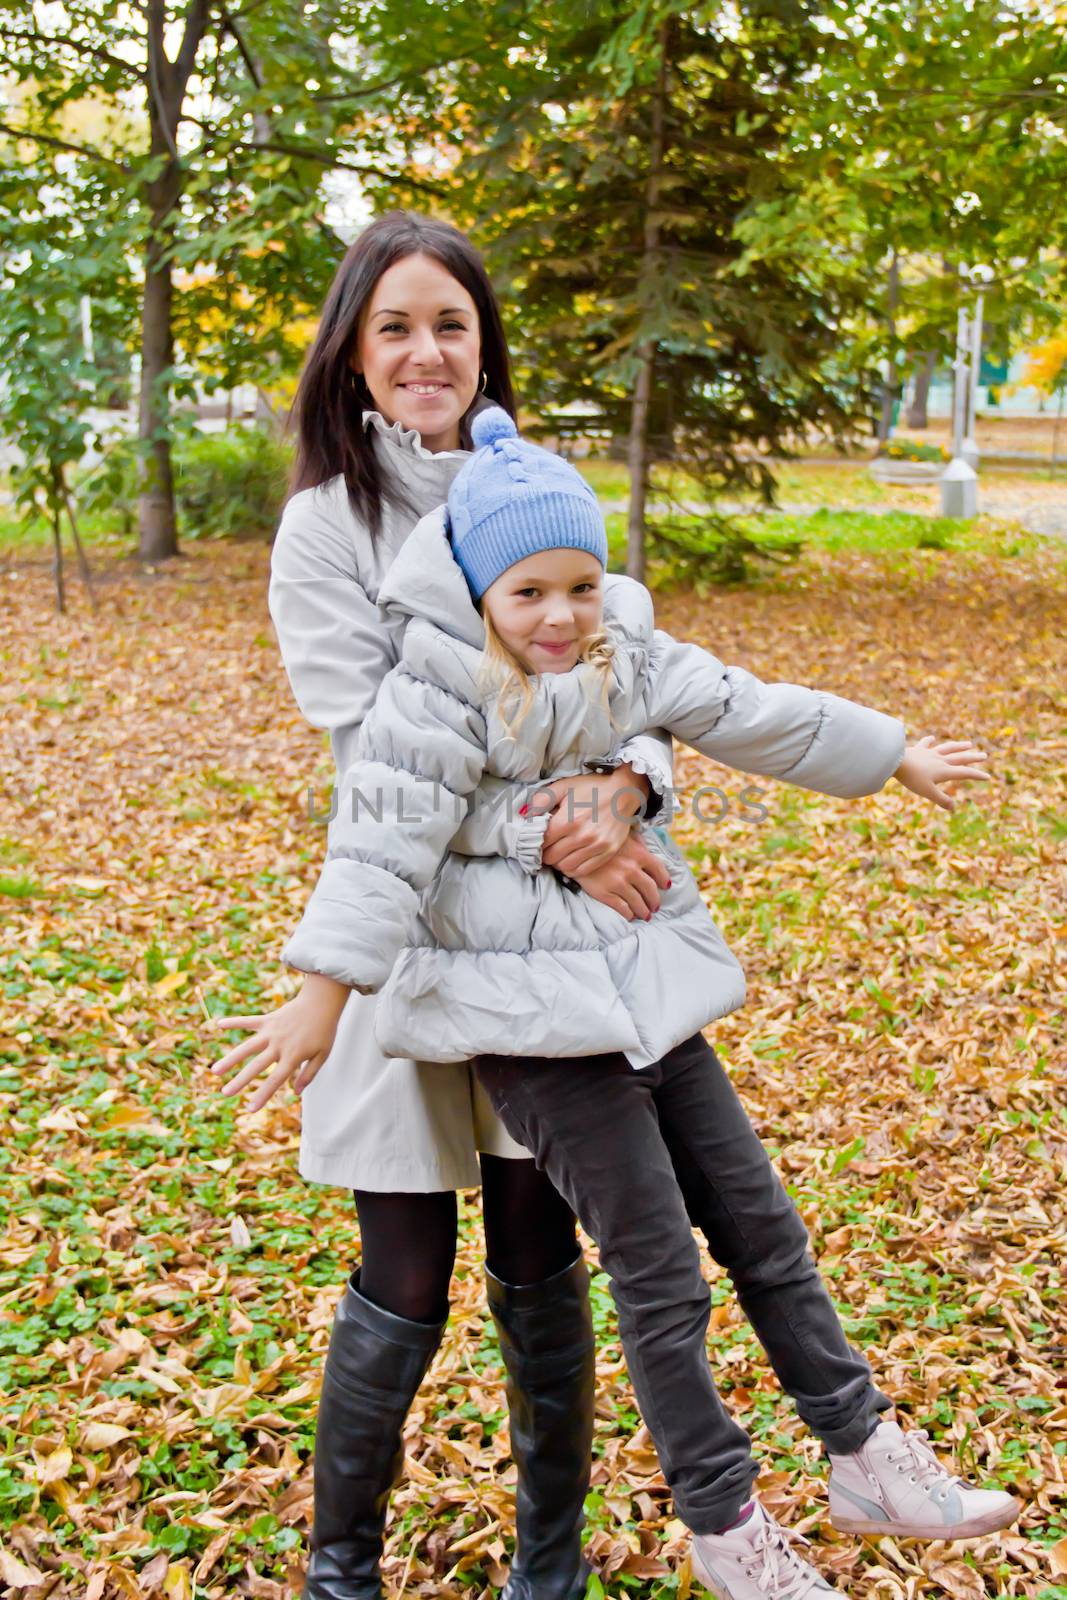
(660, 805)
(528, 841)
(355, 925)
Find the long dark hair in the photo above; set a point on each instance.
(331, 398)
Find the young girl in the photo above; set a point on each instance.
(585, 1028)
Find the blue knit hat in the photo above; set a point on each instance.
(513, 499)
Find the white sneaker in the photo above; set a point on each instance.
(755, 1562)
(895, 1484)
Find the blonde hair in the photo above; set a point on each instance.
(502, 671)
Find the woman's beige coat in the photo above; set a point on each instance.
(369, 1122)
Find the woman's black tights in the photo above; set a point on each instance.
(409, 1240)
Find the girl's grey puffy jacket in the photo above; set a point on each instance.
(490, 953)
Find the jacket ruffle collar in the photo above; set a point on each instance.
(407, 441)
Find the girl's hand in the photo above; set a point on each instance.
(580, 840)
(926, 765)
(298, 1037)
(630, 882)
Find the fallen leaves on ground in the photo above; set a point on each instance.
(167, 1281)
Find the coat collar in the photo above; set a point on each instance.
(420, 478)
(425, 581)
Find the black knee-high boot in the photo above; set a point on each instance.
(374, 1365)
(546, 1340)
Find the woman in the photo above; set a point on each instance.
(409, 344)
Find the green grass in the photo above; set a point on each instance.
(821, 483)
(20, 888)
(609, 479)
(875, 533)
(98, 531)
(863, 533)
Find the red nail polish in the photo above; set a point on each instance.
(668, 883)
(523, 810)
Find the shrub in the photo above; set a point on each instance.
(909, 450)
(230, 485)
(697, 550)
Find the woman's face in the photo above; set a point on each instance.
(545, 606)
(419, 348)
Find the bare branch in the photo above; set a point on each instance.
(322, 159)
(231, 28)
(65, 144)
(160, 80)
(81, 47)
(368, 90)
(248, 10)
(195, 27)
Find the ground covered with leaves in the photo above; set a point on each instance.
(166, 1279)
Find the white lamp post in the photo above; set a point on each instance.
(959, 481)
(969, 448)
(981, 275)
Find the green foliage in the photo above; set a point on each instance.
(612, 248)
(696, 551)
(231, 484)
(228, 485)
(935, 132)
(256, 105)
(49, 272)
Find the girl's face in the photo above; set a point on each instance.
(419, 349)
(545, 606)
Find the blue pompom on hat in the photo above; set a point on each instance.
(513, 499)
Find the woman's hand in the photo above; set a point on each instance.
(588, 829)
(630, 882)
(927, 765)
(298, 1036)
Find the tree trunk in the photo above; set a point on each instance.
(920, 399)
(889, 390)
(156, 514)
(83, 559)
(168, 81)
(637, 454)
(57, 548)
(637, 460)
(1056, 432)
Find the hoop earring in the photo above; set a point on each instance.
(484, 383)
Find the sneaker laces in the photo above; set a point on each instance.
(915, 1455)
(776, 1569)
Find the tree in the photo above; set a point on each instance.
(604, 157)
(49, 376)
(1046, 371)
(219, 121)
(930, 134)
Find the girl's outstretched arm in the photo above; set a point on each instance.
(805, 736)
